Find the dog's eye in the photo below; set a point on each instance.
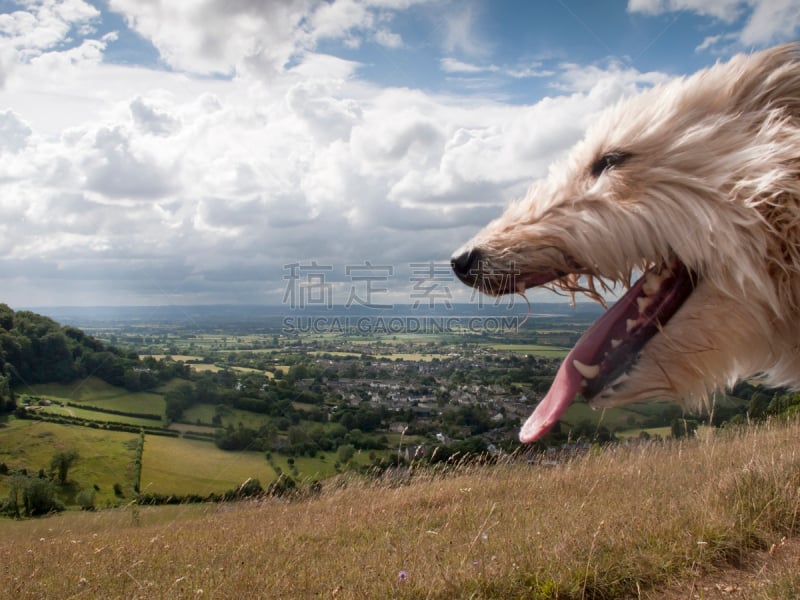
(608, 161)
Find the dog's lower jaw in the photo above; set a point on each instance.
(708, 345)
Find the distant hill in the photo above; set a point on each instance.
(265, 315)
(36, 349)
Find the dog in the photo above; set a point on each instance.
(688, 196)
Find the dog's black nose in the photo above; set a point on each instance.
(465, 265)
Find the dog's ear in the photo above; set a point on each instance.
(609, 160)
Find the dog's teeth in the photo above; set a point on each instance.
(630, 324)
(588, 371)
(643, 302)
(652, 282)
(615, 343)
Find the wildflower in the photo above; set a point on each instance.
(403, 575)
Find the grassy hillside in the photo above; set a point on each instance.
(661, 521)
(178, 466)
(106, 457)
(96, 392)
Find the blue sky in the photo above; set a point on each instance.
(181, 152)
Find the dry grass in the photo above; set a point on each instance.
(615, 524)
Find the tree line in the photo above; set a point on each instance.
(35, 349)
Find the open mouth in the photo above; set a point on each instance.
(598, 366)
(610, 347)
(599, 362)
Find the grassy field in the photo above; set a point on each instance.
(106, 457)
(413, 356)
(179, 466)
(616, 419)
(101, 417)
(200, 368)
(177, 357)
(203, 413)
(533, 349)
(96, 392)
(702, 519)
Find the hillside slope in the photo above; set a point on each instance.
(616, 523)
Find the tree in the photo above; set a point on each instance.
(345, 453)
(683, 428)
(85, 499)
(179, 399)
(61, 464)
(31, 496)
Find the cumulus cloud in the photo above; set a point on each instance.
(252, 36)
(614, 77)
(44, 25)
(765, 21)
(150, 118)
(154, 186)
(453, 65)
(14, 133)
(461, 35)
(779, 19)
(726, 10)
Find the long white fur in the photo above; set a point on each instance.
(714, 178)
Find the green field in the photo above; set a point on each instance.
(180, 466)
(200, 368)
(534, 349)
(414, 356)
(101, 417)
(336, 353)
(106, 457)
(711, 518)
(612, 418)
(96, 392)
(176, 357)
(203, 413)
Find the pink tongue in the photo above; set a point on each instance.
(565, 387)
(568, 380)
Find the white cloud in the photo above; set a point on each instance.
(387, 38)
(254, 178)
(252, 36)
(216, 36)
(14, 132)
(44, 24)
(453, 65)
(614, 77)
(157, 186)
(765, 21)
(770, 21)
(470, 70)
(152, 118)
(28, 34)
(461, 34)
(725, 10)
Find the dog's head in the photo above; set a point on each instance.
(686, 186)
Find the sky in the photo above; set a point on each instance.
(301, 152)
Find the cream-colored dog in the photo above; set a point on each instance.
(695, 185)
